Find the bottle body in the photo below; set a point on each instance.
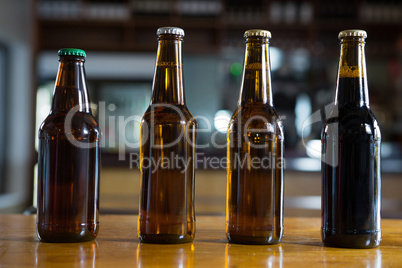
(167, 176)
(351, 176)
(68, 166)
(254, 210)
(68, 181)
(167, 152)
(254, 206)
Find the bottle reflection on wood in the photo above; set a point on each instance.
(179, 255)
(254, 256)
(254, 211)
(72, 255)
(69, 159)
(351, 139)
(167, 152)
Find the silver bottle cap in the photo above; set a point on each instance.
(353, 32)
(257, 32)
(170, 30)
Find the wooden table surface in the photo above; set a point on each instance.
(117, 245)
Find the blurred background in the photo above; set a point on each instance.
(120, 41)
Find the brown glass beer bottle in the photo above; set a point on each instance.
(69, 158)
(166, 213)
(351, 176)
(254, 210)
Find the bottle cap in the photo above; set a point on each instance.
(170, 30)
(354, 32)
(71, 52)
(257, 32)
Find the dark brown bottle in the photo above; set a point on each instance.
(69, 159)
(254, 211)
(167, 152)
(351, 139)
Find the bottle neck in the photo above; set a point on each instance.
(168, 79)
(351, 88)
(70, 90)
(256, 83)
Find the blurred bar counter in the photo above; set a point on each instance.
(118, 246)
(120, 192)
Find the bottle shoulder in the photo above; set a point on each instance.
(58, 124)
(352, 123)
(256, 117)
(168, 114)
(247, 114)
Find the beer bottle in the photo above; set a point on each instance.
(166, 212)
(254, 210)
(351, 177)
(69, 158)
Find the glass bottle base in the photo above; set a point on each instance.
(268, 239)
(350, 239)
(67, 234)
(165, 238)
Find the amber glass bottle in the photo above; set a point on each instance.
(166, 213)
(69, 159)
(254, 210)
(351, 177)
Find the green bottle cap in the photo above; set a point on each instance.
(71, 52)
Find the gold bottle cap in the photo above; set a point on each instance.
(170, 30)
(354, 32)
(257, 32)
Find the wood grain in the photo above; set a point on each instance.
(117, 246)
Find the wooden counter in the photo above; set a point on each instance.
(117, 246)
